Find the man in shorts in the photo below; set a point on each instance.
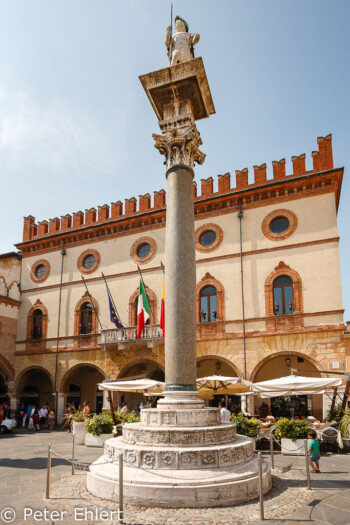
(314, 452)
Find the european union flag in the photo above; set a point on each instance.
(114, 316)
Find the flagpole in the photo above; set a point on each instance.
(143, 282)
(93, 306)
(111, 298)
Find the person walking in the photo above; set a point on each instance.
(314, 452)
(31, 418)
(224, 413)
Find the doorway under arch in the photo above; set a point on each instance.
(35, 387)
(215, 365)
(281, 365)
(80, 384)
(149, 369)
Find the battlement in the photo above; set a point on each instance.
(322, 161)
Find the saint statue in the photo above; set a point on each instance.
(180, 46)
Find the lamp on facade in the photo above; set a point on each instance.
(288, 362)
(218, 365)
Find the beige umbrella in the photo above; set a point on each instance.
(220, 385)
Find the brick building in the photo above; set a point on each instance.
(279, 234)
(10, 268)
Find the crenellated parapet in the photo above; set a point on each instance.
(322, 162)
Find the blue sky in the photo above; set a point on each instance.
(76, 126)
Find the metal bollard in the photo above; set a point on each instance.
(307, 466)
(261, 494)
(271, 451)
(48, 472)
(73, 456)
(121, 503)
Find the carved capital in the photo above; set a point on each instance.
(180, 146)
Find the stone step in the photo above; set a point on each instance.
(238, 452)
(179, 436)
(202, 417)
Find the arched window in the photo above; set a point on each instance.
(283, 299)
(37, 331)
(208, 304)
(85, 326)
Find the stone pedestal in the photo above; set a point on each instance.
(180, 454)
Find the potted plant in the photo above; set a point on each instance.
(246, 426)
(98, 428)
(292, 434)
(344, 427)
(76, 420)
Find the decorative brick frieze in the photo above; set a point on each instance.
(206, 227)
(281, 212)
(40, 262)
(81, 258)
(135, 246)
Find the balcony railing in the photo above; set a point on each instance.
(151, 332)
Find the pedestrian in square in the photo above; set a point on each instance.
(314, 452)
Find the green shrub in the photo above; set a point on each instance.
(344, 425)
(130, 417)
(292, 429)
(245, 426)
(99, 424)
(336, 414)
(77, 415)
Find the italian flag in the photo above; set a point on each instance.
(162, 309)
(143, 310)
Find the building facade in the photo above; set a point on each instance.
(10, 269)
(278, 237)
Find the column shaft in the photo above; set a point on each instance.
(180, 282)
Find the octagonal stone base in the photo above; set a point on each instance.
(173, 460)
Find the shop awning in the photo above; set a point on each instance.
(295, 385)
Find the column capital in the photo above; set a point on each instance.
(180, 146)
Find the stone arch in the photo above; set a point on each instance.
(86, 298)
(290, 354)
(209, 280)
(218, 358)
(14, 291)
(283, 269)
(7, 367)
(133, 305)
(138, 363)
(23, 372)
(3, 287)
(71, 371)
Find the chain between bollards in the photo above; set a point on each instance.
(73, 455)
(307, 466)
(48, 472)
(261, 493)
(121, 503)
(271, 451)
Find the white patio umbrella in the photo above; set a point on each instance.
(213, 385)
(294, 385)
(136, 385)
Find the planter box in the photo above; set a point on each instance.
(96, 441)
(293, 448)
(346, 442)
(79, 432)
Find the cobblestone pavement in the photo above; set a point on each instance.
(23, 481)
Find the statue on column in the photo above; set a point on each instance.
(181, 44)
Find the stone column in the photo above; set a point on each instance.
(60, 408)
(180, 95)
